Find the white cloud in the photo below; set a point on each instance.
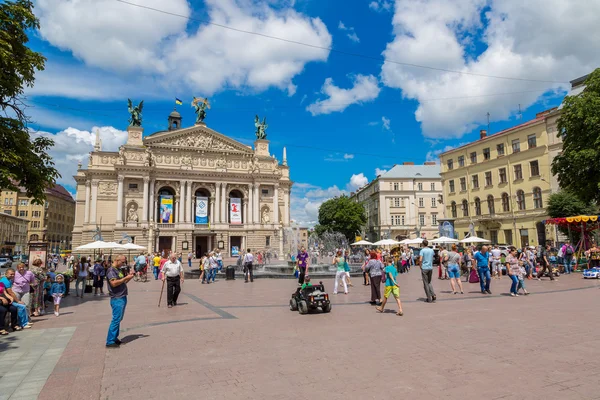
(380, 171)
(73, 145)
(386, 123)
(348, 156)
(350, 32)
(357, 181)
(130, 40)
(338, 157)
(434, 155)
(440, 33)
(380, 5)
(365, 88)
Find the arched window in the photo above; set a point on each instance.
(537, 198)
(477, 206)
(235, 215)
(465, 208)
(520, 200)
(453, 209)
(34, 238)
(201, 207)
(491, 208)
(165, 212)
(505, 202)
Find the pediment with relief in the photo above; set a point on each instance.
(197, 139)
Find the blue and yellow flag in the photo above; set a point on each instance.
(178, 102)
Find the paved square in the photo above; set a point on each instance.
(232, 340)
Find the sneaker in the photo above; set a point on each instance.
(512, 294)
(488, 291)
(56, 313)
(516, 294)
(27, 326)
(113, 346)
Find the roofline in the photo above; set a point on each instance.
(579, 81)
(506, 131)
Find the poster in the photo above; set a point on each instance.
(235, 251)
(201, 210)
(38, 251)
(166, 209)
(235, 211)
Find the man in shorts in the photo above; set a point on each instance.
(391, 286)
(496, 264)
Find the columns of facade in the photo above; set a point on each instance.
(145, 199)
(224, 202)
(245, 211)
(188, 202)
(216, 204)
(94, 201)
(120, 179)
(151, 212)
(181, 209)
(250, 208)
(286, 207)
(276, 204)
(256, 203)
(86, 212)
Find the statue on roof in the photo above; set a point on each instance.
(261, 127)
(136, 113)
(200, 105)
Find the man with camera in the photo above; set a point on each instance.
(117, 278)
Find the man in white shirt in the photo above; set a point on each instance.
(496, 265)
(173, 273)
(247, 263)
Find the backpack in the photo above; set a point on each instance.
(569, 251)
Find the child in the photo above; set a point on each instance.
(58, 291)
(306, 282)
(391, 286)
(521, 277)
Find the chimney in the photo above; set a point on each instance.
(482, 133)
(408, 163)
(429, 163)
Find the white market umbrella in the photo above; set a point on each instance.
(444, 239)
(361, 243)
(474, 239)
(132, 246)
(414, 241)
(386, 242)
(99, 245)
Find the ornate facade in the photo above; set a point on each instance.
(121, 194)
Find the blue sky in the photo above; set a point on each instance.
(341, 117)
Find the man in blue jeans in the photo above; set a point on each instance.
(117, 288)
(483, 267)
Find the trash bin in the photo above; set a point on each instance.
(230, 273)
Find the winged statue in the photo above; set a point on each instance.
(200, 105)
(136, 113)
(261, 127)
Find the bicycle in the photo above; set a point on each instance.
(141, 275)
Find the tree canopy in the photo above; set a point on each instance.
(578, 166)
(565, 204)
(343, 215)
(23, 162)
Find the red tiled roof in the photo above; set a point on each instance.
(57, 190)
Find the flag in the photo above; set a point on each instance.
(178, 102)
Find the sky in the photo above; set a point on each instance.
(350, 87)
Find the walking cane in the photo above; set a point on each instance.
(161, 292)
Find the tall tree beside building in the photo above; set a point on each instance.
(343, 215)
(23, 161)
(577, 166)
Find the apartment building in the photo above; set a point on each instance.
(51, 222)
(403, 202)
(13, 234)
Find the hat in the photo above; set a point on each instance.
(59, 276)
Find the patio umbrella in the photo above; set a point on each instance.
(132, 246)
(474, 239)
(99, 245)
(361, 243)
(386, 242)
(444, 239)
(414, 241)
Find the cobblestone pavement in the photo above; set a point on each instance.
(231, 340)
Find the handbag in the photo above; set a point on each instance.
(346, 266)
(473, 277)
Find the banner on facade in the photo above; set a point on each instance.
(235, 211)
(201, 210)
(166, 209)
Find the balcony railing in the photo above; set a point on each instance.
(165, 226)
(201, 227)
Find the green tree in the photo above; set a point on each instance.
(577, 166)
(23, 162)
(566, 204)
(343, 215)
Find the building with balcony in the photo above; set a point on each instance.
(184, 189)
(51, 222)
(404, 202)
(13, 234)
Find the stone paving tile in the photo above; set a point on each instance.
(233, 340)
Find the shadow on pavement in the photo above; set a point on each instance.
(131, 338)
